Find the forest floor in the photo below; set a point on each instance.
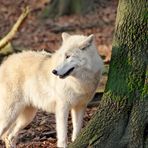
(37, 33)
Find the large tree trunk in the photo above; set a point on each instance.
(121, 120)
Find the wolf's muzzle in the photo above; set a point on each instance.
(67, 73)
(55, 72)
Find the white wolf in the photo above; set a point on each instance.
(58, 83)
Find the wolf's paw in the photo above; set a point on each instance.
(62, 144)
(9, 143)
(73, 138)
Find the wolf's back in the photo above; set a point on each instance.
(17, 67)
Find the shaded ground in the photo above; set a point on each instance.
(41, 132)
(41, 34)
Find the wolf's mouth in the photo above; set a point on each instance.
(67, 73)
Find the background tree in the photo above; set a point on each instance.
(65, 7)
(122, 117)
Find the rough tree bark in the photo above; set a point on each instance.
(64, 7)
(121, 120)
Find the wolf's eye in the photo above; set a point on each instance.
(67, 56)
(83, 48)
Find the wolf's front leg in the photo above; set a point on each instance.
(62, 111)
(77, 120)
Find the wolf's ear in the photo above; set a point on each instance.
(87, 42)
(90, 38)
(65, 36)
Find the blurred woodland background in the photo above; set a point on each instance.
(49, 18)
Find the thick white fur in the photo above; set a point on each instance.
(27, 84)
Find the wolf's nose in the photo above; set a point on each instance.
(55, 72)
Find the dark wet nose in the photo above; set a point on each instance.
(55, 72)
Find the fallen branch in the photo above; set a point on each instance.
(15, 28)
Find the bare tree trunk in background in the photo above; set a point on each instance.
(121, 120)
(65, 7)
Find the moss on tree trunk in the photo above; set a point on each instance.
(121, 120)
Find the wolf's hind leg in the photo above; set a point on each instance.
(8, 117)
(23, 119)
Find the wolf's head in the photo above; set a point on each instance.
(77, 52)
